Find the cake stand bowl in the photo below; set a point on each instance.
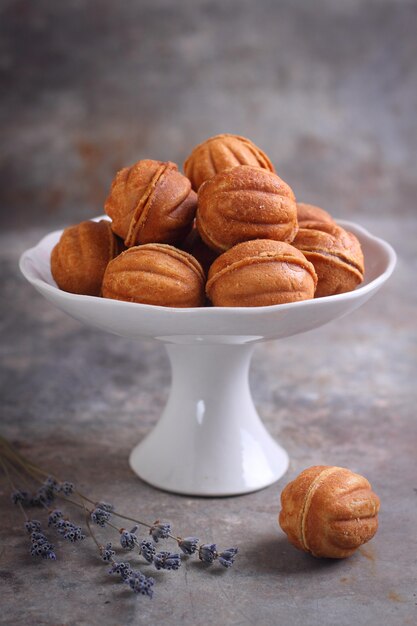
(209, 440)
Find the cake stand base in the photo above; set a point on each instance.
(209, 440)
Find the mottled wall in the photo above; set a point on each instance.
(328, 88)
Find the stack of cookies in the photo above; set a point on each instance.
(227, 232)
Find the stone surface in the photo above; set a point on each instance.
(328, 90)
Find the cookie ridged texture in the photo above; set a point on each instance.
(79, 259)
(312, 213)
(220, 153)
(151, 201)
(156, 274)
(336, 255)
(260, 273)
(329, 511)
(245, 203)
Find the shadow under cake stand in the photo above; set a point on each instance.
(209, 440)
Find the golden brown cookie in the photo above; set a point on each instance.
(312, 213)
(261, 272)
(329, 511)
(336, 255)
(151, 202)
(220, 153)
(79, 259)
(245, 203)
(156, 274)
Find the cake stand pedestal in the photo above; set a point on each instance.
(209, 438)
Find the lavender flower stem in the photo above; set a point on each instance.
(9, 478)
(35, 472)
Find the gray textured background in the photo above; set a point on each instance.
(329, 90)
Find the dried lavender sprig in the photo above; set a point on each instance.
(32, 525)
(30, 468)
(188, 545)
(40, 543)
(204, 554)
(227, 557)
(106, 506)
(207, 552)
(160, 530)
(107, 553)
(69, 531)
(128, 538)
(138, 582)
(167, 560)
(41, 546)
(21, 496)
(141, 584)
(54, 517)
(147, 550)
(100, 516)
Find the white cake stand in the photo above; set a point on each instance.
(209, 440)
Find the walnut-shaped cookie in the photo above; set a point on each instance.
(312, 213)
(260, 272)
(329, 511)
(220, 153)
(151, 201)
(245, 203)
(79, 259)
(336, 255)
(156, 274)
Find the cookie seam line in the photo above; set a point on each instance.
(334, 255)
(142, 207)
(317, 482)
(262, 259)
(173, 252)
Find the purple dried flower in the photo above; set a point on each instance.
(188, 545)
(100, 516)
(159, 530)
(207, 552)
(128, 539)
(227, 557)
(147, 550)
(167, 560)
(21, 496)
(44, 496)
(123, 569)
(52, 484)
(139, 583)
(41, 546)
(107, 553)
(105, 506)
(54, 517)
(66, 487)
(69, 530)
(32, 525)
